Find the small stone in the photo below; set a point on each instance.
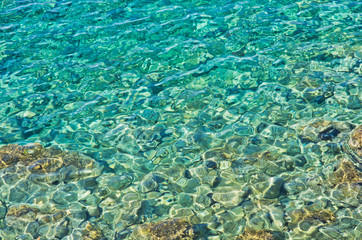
(128, 145)
(274, 188)
(17, 195)
(202, 201)
(294, 187)
(2, 211)
(90, 200)
(277, 215)
(94, 211)
(91, 231)
(148, 184)
(120, 182)
(229, 196)
(58, 198)
(32, 228)
(217, 154)
(269, 189)
(354, 102)
(329, 233)
(185, 200)
(191, 185)
(62, 229)
(26, 114)
(328, 133)
(58, 216)
(257, 221)
(211, 164)
(90, 182)
(43, 230)
(25, 237)
(322, 130)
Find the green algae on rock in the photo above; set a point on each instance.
(306, 221)
(346, 172)
(90, 231)
(252, 234)
(173, 229)
(38, 159)
(42, 189)
(346, 182)
(12, 154)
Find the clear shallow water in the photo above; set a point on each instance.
(191, 109)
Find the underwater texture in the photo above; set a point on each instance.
(168, 120)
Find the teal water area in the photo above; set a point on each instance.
(180, 119)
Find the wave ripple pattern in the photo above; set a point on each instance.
(193, 119)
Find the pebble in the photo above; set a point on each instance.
(229, 196)
(148, 184)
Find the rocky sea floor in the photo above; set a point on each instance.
(269, 193)
(174, 120)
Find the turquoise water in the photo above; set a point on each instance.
(234, 116)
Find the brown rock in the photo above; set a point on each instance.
(23, 211)
(315, 217)
(346, 173)
(41, 160)
(173, 229)
(251, 234)
(92, 232)
(355, 141)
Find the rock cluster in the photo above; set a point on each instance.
(42, 192)
(256, 191)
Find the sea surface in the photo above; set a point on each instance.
(166, 120)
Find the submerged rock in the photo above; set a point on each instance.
(32, 218)
(173, 229)
(251, 234)
(346, 173)
(218, 155)
(230, 196)
(307, 221)
(22, 211)
(268, 188)
(355, 141)
(323, 130)
(38, 183)
(38, 159)
(12, 154)
(91, 231)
